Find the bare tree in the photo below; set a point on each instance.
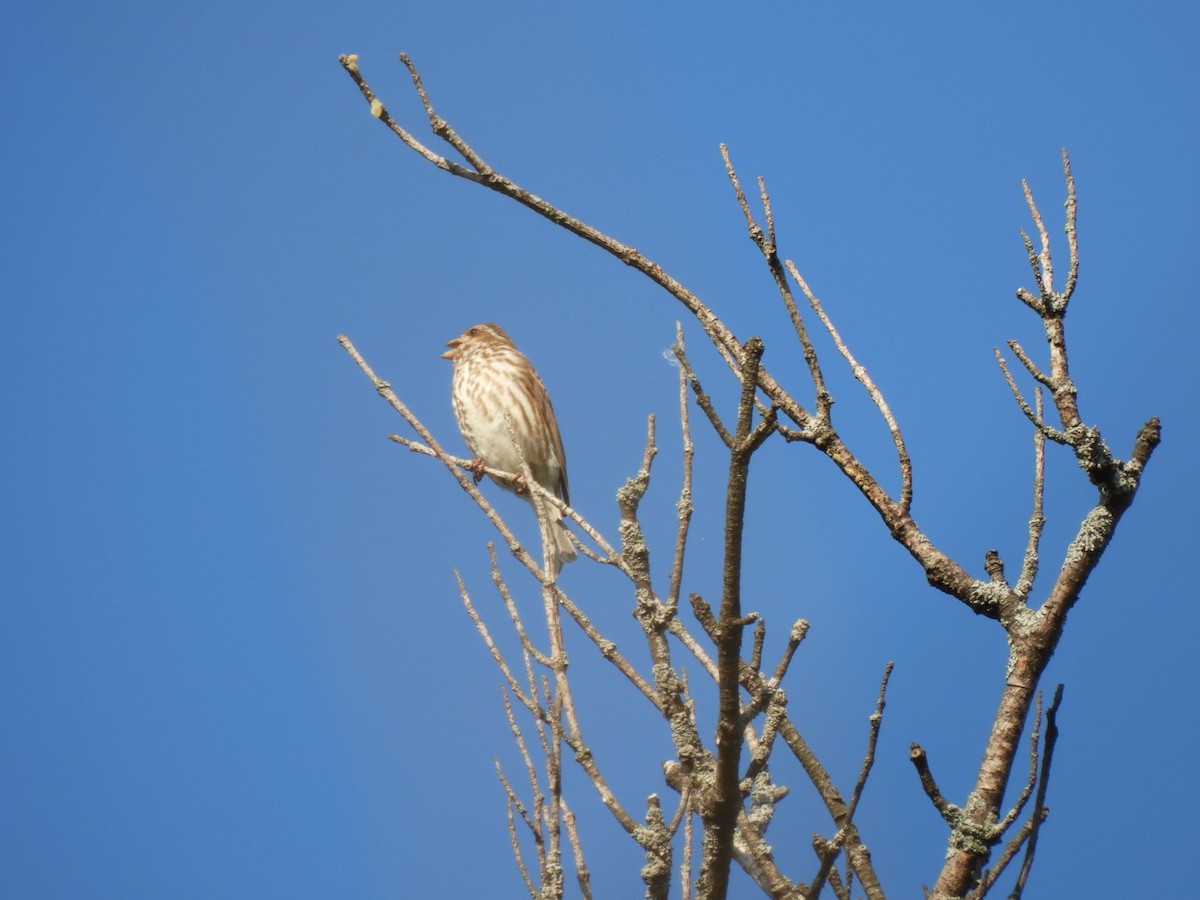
(725, 794)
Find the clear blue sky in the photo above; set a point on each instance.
(232, 660)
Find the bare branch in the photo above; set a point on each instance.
(685, 865)
(1026, 836)
(760, 635)
(872, 740)
(684, 506)
(1039, 807)
(582, 876)
(563, 700)
(1029, 299)
(766, 245)
(795, 637)
(1147, 439)
(827, 854)
(379, 111)
(1031, 780)
(608, 649)
(941, 571)
(990, 876)
(655, 838)
(1044, 270)
(1072, 237)
(1037, 519)
(716, 330)
(770, 217)
(864, 378)
(1035, 418)
(840, 890)
(708, 781)
(827, 851)
(610, 556)
(519, 626)
(755, 857)
(514, 803)
(920, 760)
(1039, 376)
(994, 566)
(702, 399)
(552, 874)
(529, 701)
(856, 851)
(727, 797)
(533, 822)
(440, 126)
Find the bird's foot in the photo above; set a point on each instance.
(476, 469)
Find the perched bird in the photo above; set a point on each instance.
(493, 378)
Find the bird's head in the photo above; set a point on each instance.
(488, 333)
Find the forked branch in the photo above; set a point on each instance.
(709, 782)
(941, 571)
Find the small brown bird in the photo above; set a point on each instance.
(493, 378)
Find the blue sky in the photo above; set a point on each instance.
(233, 661)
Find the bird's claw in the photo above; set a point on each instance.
(476, 469)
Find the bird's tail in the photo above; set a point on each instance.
(562, 551)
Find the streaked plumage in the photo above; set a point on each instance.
(491, 378)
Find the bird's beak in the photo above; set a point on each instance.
(453, 351)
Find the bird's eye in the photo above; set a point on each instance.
(472, 331)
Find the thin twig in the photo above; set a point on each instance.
(610, 557)
(608, 649)
(684, 507)
(582, 876)
(1040, 810)
(765, 241)
(992, 875)
(1072, 236)
(1030, 366)
(1037, 518)
(760, 635)
(513, 613)
(526, 700)
(702, 399)
(864, 378)
(920, 760)
(872, 740)
(685, 864)
(829, 851)
(378, 110)
(1044, 272)
(440, 126)
(1031, 780)
(1059, 437)
(514, 802)
(796, 636)
(552, 873)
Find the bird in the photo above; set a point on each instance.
(492, 379)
